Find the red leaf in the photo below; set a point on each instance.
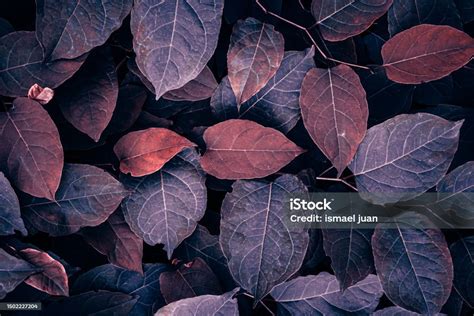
(40, 94)
(30, 149)
(426, 53)
(241, 149)
(53, 279)
(335, 112)
(145, 152)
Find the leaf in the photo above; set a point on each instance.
(5, 27)
(439, 51)
(40, 94)
(174, 39)
(144, 152)
(115, 240)
(462, 252)
(13, 271)
(203, 245)
(223, 103)
(320, 294)
(86, 197)
(277, 103)
(22, 65)
(10, 217)
(466, 8)
(53, 278)
(191, 279)
(260, 248)
(69, 29)
(404, 14)
(30, 149)
(315, 253)
(343, 19)
(413, 263)
(435, 92)
(200, 88)
(165, 206)
(394, 311)
(255, 53)
(216, 305)
(351, 254)
(241, 149)
(88, 99)
(335, 112)
(145, 287)
(404, 157)
(93, 303)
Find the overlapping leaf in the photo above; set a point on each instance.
(174, 39)
(86, 197)
(413, 263)
(339, 20)
(13, 271)
(462, 252)
(391, 163)
(200, 88)
(335, 112)
(69, 29)
(10, 217)
(165, 206)
(255, 53)
(241, 149)
(31, 154)
(426, 53)
(260, 248)
(223, 103)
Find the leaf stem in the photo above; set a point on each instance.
(267, 308)
(337, 180)
(304, 29)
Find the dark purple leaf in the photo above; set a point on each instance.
(31, 154)
(22, 65)
(435, 92)
(69, 29)
(391, 163)
(320, 295)
(115, 240)
(200, 88)
(5, 27)
(413, 263)
(10, 217)
(261, 250)
(466, 9)
(315, 254)
(339, 20)
(166, 205)
(223, 102)
(174, 39)
(13, 271)
(455, 306)
(86, 197)
(255, 53)
(277, 103)
(462, 252)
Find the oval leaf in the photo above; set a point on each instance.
(69, 29)
(241, 149)
(255, 53)
(12, 272)
(144, 152)
(165, 206)
(10, 217)
(277, 104)
(86, 196)
(439, 50)
(413, 263)
(28, 67)
(320, 295)
(346, 18)
(30, 149)
(174, 39)
(404, 157)
(462, 252)
(335, 112)
(200, 88)
(260, 248)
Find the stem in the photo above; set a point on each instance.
(325, 171)
(320, 51)
(337, 180)
(267, 308)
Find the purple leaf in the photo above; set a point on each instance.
(13, 271)
(223, 102)
(462, 252)
(200, 88)
(10, 217)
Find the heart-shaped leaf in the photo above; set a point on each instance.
(13, 271)
(335, 112)
(165, 206)
(241, 149)
(255, 53)
(10, 217)
(462, 252)
(144, 152)
(261, 250)
(86, 197)
(413, 263)
(31, 154)
(439, 51)
(391, 163)
(174, 39)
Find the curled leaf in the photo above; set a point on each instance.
(40, 94)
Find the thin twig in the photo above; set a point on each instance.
(301, 5)
(325, 171)
(267, 308)
(121, 63)
(247, 294)
(320, 51)
(337, 180)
